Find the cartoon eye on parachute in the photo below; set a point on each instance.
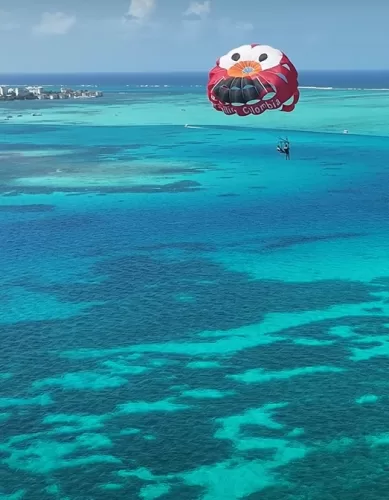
(252, 79)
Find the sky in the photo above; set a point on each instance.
(186, 35)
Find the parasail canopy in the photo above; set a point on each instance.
(252, 79)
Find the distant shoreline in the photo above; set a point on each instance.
(113, 81)
(187, 72)
(34, 92)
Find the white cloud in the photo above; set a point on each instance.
(56, 23)
(244, 26)
(140, 10)
(198, 9)
(191, 29)
(9, 26)
(226, 25)
(6, 23)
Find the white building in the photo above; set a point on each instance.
(21, 92)
(3, 90)
(35, 90)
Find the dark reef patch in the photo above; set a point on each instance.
(301, 240)
(27, 208)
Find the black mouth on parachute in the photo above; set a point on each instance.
(242, 90)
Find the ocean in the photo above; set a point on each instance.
(184, 314)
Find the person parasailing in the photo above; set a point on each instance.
(283, 147)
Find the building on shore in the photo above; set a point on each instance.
(20, 92)
(37, 92)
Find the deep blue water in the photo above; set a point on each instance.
(218, 331)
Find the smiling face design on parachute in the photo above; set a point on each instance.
(250, 61)
(251, 73)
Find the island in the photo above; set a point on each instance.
(30, 92)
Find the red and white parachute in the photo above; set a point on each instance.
(252, 79)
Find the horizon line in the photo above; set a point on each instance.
(175, 72)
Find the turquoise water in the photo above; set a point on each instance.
(186, 315)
